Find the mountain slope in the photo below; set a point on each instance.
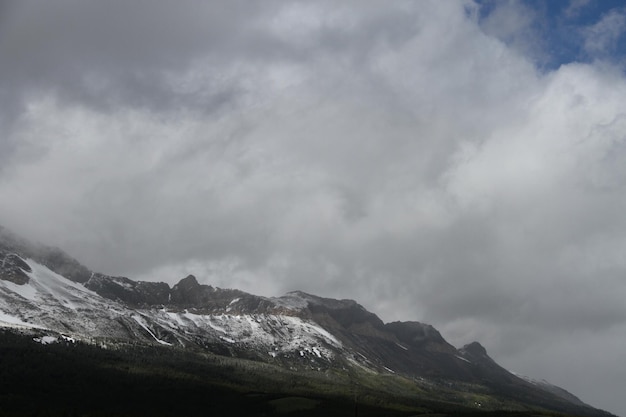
(44, 291)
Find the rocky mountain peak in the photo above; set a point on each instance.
(135, 293)
(475, 349)
(414, 333)
(187, 284)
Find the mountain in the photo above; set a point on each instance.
(52, 298)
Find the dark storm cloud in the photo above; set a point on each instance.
(410, 156)
(119, 53)
(113, 53)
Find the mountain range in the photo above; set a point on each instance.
(49, 299)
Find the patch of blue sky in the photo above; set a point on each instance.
(557, 32)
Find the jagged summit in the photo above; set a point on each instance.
(415, 333)
(475, 349)
(190, 282)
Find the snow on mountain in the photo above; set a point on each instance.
(50, 301)
(558, 391)
(45, 291)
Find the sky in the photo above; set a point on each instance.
(459, 163)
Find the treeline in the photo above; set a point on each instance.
(76, 379)
(126, 380)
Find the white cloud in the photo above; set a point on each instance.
(575, 8)
(601, 38)
(519, 26)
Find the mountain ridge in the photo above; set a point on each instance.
(44, 289)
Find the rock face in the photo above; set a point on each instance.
(133, 293)
(476, 352)
(43, 288)
(417, 335)
(13, 268)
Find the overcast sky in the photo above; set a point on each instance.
(457, 163)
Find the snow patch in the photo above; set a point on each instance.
(143, 324)
(123, 284)
(46, 340)
(463, 359)
(360, 365)
(7, 320)
(537, 382)
(311, 328)
(25, 291)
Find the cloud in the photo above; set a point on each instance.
(518, 25)
(575, 8)
(601, 38)
(411, 157)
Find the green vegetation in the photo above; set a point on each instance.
(76, 379)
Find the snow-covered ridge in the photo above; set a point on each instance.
(278, 334)
(51, 301)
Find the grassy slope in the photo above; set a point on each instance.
(83, 380)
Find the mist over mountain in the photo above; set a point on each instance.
(50, 297)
